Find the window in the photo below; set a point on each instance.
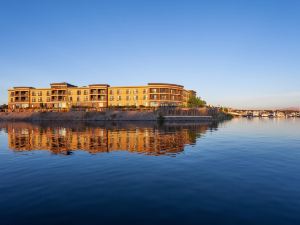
(39, 99)
(86, 98)
(153, 97)
(144, 91)
(119, 98)
(71, 99)
(85, 92)
(136, 91)
(78, 92)
(119, 92)
(136, 97)
(33, 93)
(111, 92)
(48, 99)
(48, 93)
(164, 97)
(111, 98)
(39, 93)
(69, 92)
(12, 99)
(153, 104)
(127, 91)
(33, 99)
(127, 98)
(173, 91)
(145, 97)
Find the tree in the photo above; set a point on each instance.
(195, 101)
(3, 107)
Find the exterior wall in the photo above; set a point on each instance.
(79, 96)
(128, 96)
(98, 96)
(165, 95)
(19, 97)
(39, 98)
(65, 96)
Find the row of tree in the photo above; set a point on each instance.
(195, 102)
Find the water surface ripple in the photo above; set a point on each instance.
(238, 172)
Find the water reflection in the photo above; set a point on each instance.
(64, 138)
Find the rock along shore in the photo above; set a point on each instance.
(110, 115)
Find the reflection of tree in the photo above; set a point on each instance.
(146, 138)
(193, 136)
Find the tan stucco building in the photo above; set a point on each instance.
(65, 96)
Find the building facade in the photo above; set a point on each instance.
(65, 96)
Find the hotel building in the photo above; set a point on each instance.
(65, 96)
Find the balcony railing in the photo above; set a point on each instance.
(58, 99)
(21, 99)
(21, 94)
(97, 92)
(58, 92)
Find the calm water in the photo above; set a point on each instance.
(238, 172)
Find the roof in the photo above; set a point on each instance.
(63, 83)
(128, 86)
(166, 84)
(22, 87)
(106, 85)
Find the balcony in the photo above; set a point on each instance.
(164, 90)
(153, 90)
(62, 92)
(58, 99)
(97, 98)
(154, 97)
(97, 91)
(164, 97)
(21, 93)
(21, 99)
(176, 98)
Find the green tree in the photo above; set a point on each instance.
(4, 106)
(195, 101)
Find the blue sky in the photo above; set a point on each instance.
(238, 53)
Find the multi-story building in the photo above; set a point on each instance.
(65, 96)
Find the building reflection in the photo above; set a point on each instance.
(150, 139)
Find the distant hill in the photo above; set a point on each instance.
(291, 109)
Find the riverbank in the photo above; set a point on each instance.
(88, 116)
(109, 115)
(78, 116)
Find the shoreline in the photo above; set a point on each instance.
(99, 116)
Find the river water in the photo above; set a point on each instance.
(238, 172)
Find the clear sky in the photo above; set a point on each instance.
(242, 53)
